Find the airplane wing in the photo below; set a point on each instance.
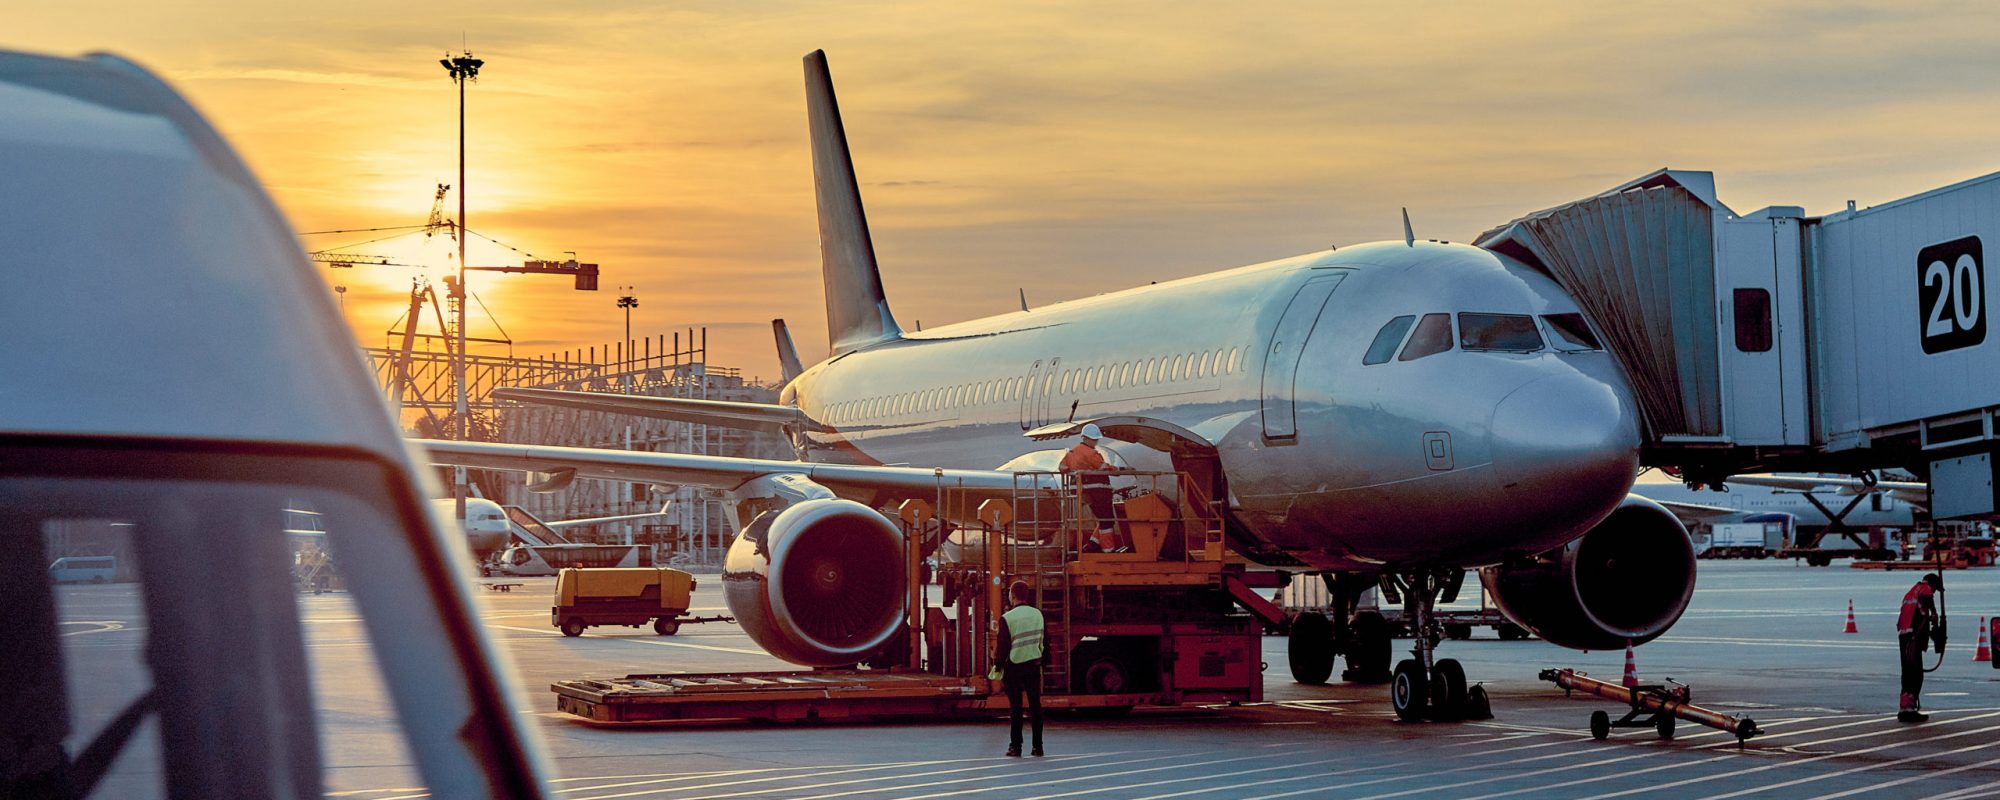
(574, 523)
(1700, 512)
(1807, 483)
(868, 484)
(725, 413)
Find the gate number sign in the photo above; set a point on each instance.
(1951, 294)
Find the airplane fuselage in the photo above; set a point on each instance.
(1488, 446)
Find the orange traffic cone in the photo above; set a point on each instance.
(1850, 619)
(1983, 652)
(1631, 672)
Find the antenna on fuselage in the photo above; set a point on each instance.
(1024, 299)
(1409, 235)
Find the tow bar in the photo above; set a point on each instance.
(1660, 704)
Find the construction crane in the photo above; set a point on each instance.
(437, 219)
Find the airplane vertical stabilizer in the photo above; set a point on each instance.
(857, 313)
(788, 353)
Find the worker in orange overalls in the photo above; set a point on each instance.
(1084, 457)
(1917, 626)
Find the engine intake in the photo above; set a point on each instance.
(1626, 580)
(818, 583)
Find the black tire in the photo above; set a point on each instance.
(573, 627)
(1458, 630)
(1368, 650)
(1103, 712)
(1664, 725)
(1510, 632)
(666, 627)
(1106, 675)
(1448, 688)
(1409, 690)
(1477, 704)
(1600, 725)
(1309, 647)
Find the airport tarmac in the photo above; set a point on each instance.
(1761, 638)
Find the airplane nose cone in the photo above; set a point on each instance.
(1565, 450)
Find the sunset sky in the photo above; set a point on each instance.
(1067, 148)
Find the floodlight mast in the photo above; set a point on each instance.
(463, 69)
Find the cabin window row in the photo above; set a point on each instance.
(1163, 369)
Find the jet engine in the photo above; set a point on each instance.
(818, 583)
(1627, 579)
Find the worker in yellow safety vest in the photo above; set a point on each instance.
(1018, 652)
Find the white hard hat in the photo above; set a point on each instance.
(1091, 431)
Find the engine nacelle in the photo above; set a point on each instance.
(1627, 579)
(818, 583)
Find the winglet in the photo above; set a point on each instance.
(788, 354)
(1409, 235)
(857, 311)
(1024, 299)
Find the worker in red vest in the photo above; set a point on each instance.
(1917, 626)
(1084, 457)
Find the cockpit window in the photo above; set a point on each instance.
(1386, 339)
(1433, 336)
(1572, 334)
(1507, 332)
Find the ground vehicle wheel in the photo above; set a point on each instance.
(1458, 630)
(1309, 648)
(1448, 688)
(1600, 725)
(1664, 724)
(1106, 675)
(1510, 632)
(1103, 712)
(1816, 560)
(573, 626)
(1368, 649)
(1477, 705)
(1409, 690)
(666, 627)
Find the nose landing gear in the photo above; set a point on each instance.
(1423, 688)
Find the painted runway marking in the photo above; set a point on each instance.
(1927, 775)
(636, 640)
(1741, 642)
(879, 789)
(1130, 786)
(1039, 772)
(1800, 762)
(1864, 768)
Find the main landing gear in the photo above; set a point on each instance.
(1316, 640)
(1423, 688)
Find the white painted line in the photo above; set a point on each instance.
(999, 762)
(1924, 776)
(1605, 777)
(846, 771)
(1860, 769)
(1810, 643)
(660, 642)
(1123, 787)
(1019, 784)
(1781, 764)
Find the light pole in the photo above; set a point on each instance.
(627, 301)
(464, 69)
(342, 291)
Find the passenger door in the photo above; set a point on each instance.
(1281, 359)
(1028, 393)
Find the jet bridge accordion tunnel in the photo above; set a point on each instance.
(1777, 341)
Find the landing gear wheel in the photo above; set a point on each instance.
(666, 627)
(1664, 724)
(1409, 690)
(1368, 650)
(1600, 725)
(573, 627)
(1448, 688)
(1310, 647)
(1477, 706)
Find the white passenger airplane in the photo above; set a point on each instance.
(1386, 412)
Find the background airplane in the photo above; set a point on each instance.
(1385, 413)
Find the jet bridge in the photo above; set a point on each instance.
(1776, 340)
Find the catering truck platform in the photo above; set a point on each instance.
(1175, 620)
